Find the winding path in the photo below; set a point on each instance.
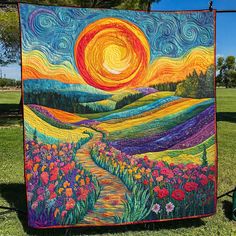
(112, 195)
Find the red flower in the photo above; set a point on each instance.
(204, 180)
(212, 178)
(37, 159)
(51, 188)
(83, 193)
(178, 194)
(29, 165)
(145, 182)
(44, 177)
(70, 204)
(162, 193)
(66, 168)
(53, 195)
(54, 173)
(167, 172)
(155, 173)
(213, 168)
(156, 189)
(190, 186)
(190, 166)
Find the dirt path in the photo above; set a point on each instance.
(113, 191)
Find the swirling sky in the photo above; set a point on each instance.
(122, 47)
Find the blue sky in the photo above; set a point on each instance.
(226, 32)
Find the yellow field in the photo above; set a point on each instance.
(182, 158)
(151, 116)
(62, 134)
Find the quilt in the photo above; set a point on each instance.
(119, 115)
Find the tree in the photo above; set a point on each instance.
(204, 156)
(226, 68)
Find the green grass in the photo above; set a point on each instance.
(9, 97)
(13, 191)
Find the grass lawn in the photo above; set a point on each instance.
(13, 192)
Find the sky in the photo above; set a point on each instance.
(225, 35)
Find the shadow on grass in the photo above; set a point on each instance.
(9, 115)
(226, 116)
(227, 207)
(15, 195)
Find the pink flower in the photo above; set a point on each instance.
(34, 205)
(156, 208)
(29, 196)
(170, 207)
(63, 214)
(40, 198)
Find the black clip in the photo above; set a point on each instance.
(210, 5)
(149, 6)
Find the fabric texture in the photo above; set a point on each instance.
(119, 115)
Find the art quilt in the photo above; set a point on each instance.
(119, 115)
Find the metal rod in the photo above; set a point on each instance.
(148, 8)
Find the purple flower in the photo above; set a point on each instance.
(156, 208)
(170, 207)
(40, 190)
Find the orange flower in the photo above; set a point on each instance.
(49, 157)
(87, 180)
(82, 183)
(28, 176)
(51, 165)
(54, 146)
(69, 192)
(70, 204)
(61, 153)
(159, 178)
(43, 167)
(36, 166)
(56, 212)
(66, 184)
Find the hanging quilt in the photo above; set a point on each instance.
(119, 115)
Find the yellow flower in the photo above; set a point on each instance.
(43, 167)
(142, 170)
(135, 169)
(60, 190)
(138, 176)
(130, 171)
(77, 177)
(36, 166)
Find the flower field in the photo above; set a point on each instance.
(166, 190)
(59, 190)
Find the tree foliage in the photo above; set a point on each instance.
(226, 72)
(197, 85)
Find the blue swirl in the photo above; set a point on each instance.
(54, 30)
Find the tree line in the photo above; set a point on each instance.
(4, 82)
(226, 69)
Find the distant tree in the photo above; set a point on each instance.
(197, 85)
(204, 156)
(226, 69)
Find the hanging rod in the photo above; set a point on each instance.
(15, 3)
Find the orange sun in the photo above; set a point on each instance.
(111, 54)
